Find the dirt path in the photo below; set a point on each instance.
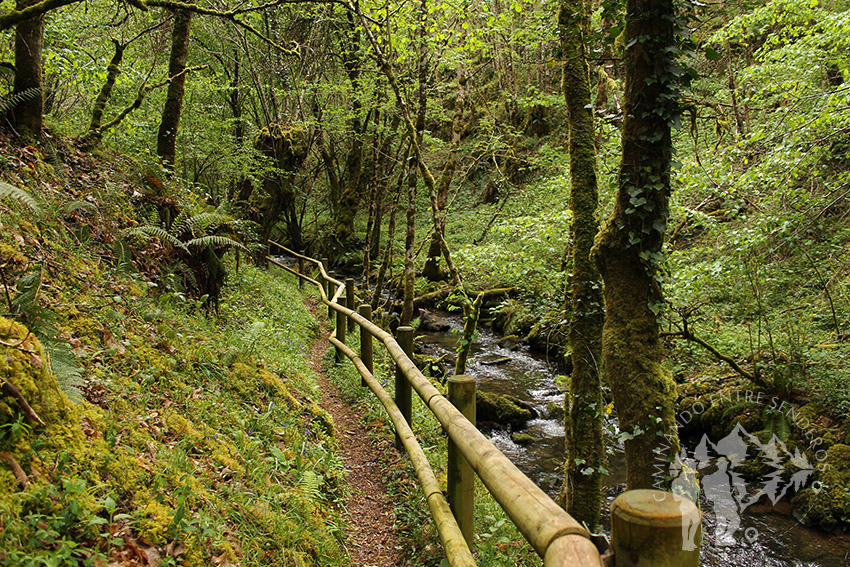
(372, 541)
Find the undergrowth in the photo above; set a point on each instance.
(193, 438)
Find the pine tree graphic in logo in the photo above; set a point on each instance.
(714, 469)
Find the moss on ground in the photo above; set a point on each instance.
(188, 436)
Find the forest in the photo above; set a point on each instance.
(650, 195)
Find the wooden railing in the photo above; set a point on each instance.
(555, 535)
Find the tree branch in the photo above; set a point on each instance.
(733, 364)
(14, 18)
(230, 16)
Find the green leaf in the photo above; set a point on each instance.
(712, 55)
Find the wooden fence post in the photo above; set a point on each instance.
(461, 477)
(339, 356)
(366, 341)
(301, 271)
(327, 286)
(403, 399)
(349, 293)
(651, 527)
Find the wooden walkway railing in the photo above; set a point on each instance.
(555, 535)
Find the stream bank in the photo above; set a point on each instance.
(768, 533)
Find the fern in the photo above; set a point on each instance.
(776, 423)
(12, 100)
(204, 220)
(19, 195)
(63, 365)
(148, 231)
(215, 240)
(310, 485)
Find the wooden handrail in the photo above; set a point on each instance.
(457, 551)
(555, 535)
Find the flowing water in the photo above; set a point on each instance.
(769, 535)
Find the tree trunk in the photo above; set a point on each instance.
(628, 252)
(432, 265)
(388, 249)
(166, 141)
(409, 246)
(585, 450)
(94, 134)
(27, 116)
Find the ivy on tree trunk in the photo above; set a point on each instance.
(27, 116)
(629, 248)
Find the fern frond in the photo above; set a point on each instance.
(72, 206)
(14, 99)
(153, 218)
(19, 195)
(310, 485)
(178, 225)
(215, 240)
(148, 231)
(63, 365)
(776, 423)
(204, 220)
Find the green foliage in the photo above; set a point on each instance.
(18, 194)
(11, 100)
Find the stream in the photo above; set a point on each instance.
(768, 536)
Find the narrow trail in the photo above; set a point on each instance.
(372, 541)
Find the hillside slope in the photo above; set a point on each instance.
(172, 434)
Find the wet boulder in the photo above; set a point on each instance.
(502, 411)
(509, 342)
(431, 323)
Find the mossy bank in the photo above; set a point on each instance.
(165, 432)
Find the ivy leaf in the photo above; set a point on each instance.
(712, 55)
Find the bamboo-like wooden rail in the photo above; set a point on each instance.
(555, 535)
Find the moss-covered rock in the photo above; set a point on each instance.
(547, 334)
(502, 410)
(23, 367)
(509, 342)
(826, 504)
(555, 411)
(522, 439)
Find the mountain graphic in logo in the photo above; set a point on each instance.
(714, 469)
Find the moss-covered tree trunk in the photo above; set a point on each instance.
(585, 454)
(350, 189)
(409, 247)
(166, 140)
(629, 249)
(94, 134)
(432, 264)
(27, 116)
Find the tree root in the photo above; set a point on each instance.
(22, 402)
(16, 468)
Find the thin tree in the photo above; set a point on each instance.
(585, 453)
